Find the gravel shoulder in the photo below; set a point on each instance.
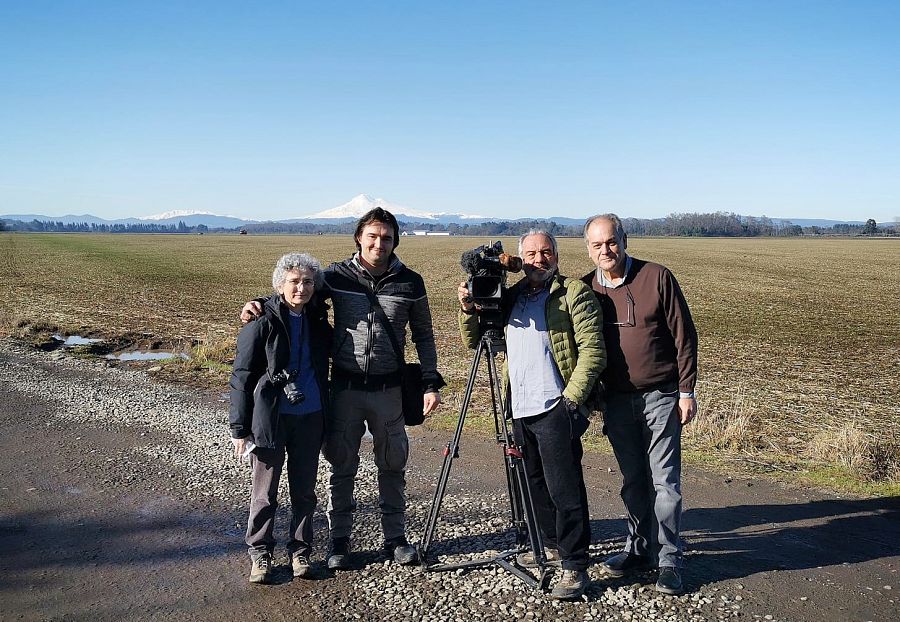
(119, 498)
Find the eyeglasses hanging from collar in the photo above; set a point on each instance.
(629, 303)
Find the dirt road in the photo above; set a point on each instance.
(118, 500)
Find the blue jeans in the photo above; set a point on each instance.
(644, 430)
(552, 452)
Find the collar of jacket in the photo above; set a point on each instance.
(394, 266)
(314, 309)
(555, 283)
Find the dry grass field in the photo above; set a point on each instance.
(800, 339)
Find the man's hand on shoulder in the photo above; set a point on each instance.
(251, 311)
(432, 401)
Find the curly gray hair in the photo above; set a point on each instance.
(297, 261)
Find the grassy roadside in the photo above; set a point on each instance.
(797, 373)
(857, 473)
(795, 472)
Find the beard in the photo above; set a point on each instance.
(540, 277)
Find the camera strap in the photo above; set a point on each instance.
(285, 319)
(382, 317)
(379, 312)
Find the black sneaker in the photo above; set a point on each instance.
(401, 551)
(625, 563)
(669, 581)
(339, 554)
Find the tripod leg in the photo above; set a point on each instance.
(499, 406)
(450, 453)
(521, 501)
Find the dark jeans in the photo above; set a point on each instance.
(552, 450)
(300, 437)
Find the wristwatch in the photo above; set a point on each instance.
(684, 395)
(570, 405)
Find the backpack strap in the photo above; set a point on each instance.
(379, 312)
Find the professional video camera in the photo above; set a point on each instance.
(487, 266)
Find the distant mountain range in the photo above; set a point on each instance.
(348, 212)
(362, 203)
(191, 219)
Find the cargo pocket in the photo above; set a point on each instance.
(334, 448)
(396, 449)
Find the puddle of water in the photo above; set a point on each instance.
(75, 340)
(147, 355)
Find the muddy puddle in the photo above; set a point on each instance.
(74, 340)
(103, 348)
(146, 355)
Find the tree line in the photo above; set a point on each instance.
(58, 226)
(718, 224)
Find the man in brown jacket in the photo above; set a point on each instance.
(649, 383)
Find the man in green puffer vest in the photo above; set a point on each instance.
(555, 353)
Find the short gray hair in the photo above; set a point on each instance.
(297, 261)
(549, 236)
(615, 220)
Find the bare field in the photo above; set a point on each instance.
(799, 352)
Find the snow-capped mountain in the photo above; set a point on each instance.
(192, 218)
(181, 213)
(362, 203)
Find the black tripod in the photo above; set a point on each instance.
(522, 512)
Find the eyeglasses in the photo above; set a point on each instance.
(629, 301)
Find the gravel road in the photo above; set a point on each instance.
(120, 499)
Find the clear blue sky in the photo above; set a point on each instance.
(508, 109)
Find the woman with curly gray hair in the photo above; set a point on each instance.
(278, 406)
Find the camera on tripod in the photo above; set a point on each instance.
(487, 266)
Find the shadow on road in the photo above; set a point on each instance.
(37, 540)
(737, 541)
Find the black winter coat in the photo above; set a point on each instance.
(263, 350)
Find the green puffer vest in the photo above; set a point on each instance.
(575, 323)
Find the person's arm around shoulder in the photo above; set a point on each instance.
(253, 309)
(587, 326)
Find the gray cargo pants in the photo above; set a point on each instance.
(300, 437)
(381, 409)
(644, 430)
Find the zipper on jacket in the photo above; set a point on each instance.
(370, 333)
(549, 336)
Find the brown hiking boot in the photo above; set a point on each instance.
(526, 559)
(571, 585)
